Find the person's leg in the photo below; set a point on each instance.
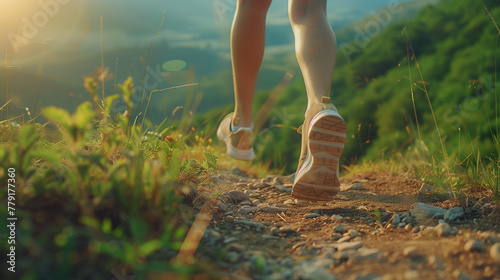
(324, 130)
(247, 50)
(315, 46)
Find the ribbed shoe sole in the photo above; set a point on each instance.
(318, 180)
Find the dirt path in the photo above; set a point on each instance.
(376, 228)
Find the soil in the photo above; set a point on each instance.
(412, 250)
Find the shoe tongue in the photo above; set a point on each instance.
(325, 99)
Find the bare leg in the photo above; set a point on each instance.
(247, 50)
(315, 46)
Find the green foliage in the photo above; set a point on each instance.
(97, 192)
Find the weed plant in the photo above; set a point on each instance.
(97, 194)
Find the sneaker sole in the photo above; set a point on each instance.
(318, 180)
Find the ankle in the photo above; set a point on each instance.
(240, 121)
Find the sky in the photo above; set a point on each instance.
(34, 30)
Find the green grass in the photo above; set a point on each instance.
(95, 191)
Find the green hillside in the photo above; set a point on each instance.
(454, 44)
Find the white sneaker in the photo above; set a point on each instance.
(323, 138)
(239, 143)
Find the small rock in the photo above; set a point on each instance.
(495, 252)
(473, 245)
(336, 237)
(401, 225)
(415, 230)
(289, 201)
(277, 181)
(246, 202)
(454, 213)
(354, 187)
(489, 236)
(222, 206)
(286, 230)
(239, 196)
(340, 228)
(274, 231)
(336, 217)
(411, 251)
(407, 220)
(352, 232)
(250, 223)
(312, 270)
(260, 186)
(408, 228)
(344, 239)
(443, 229)
(349, 246)
(312, 215)
(422, 212)
(284, 189)
(396, 220)
(367, 254)
(425, 189)
(271, 209)
(246, 210)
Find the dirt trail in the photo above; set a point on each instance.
(372, 230)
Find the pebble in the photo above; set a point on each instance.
(340, 228)
(396, 219)
(401, 225)
(222, 206)
(271, 209)
(349, 246)
(489, 236)
(411, 251)
(352, 232)
(246, 202)
(367, 254)
(286, 230)
(312, 270)
(344, 239)
(443, 229)
(408, 228)
(246, 210)
(277, 181)
(284, 189)
(473, 245)
(353, 187)
(289, 201)
(422, 212)
(454, 213)
(495, 252)
(239, 196)
(336, 217)
(407, 220)
(274, 231)
(253, 224)
(312, 215)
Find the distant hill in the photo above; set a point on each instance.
(454, 42)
